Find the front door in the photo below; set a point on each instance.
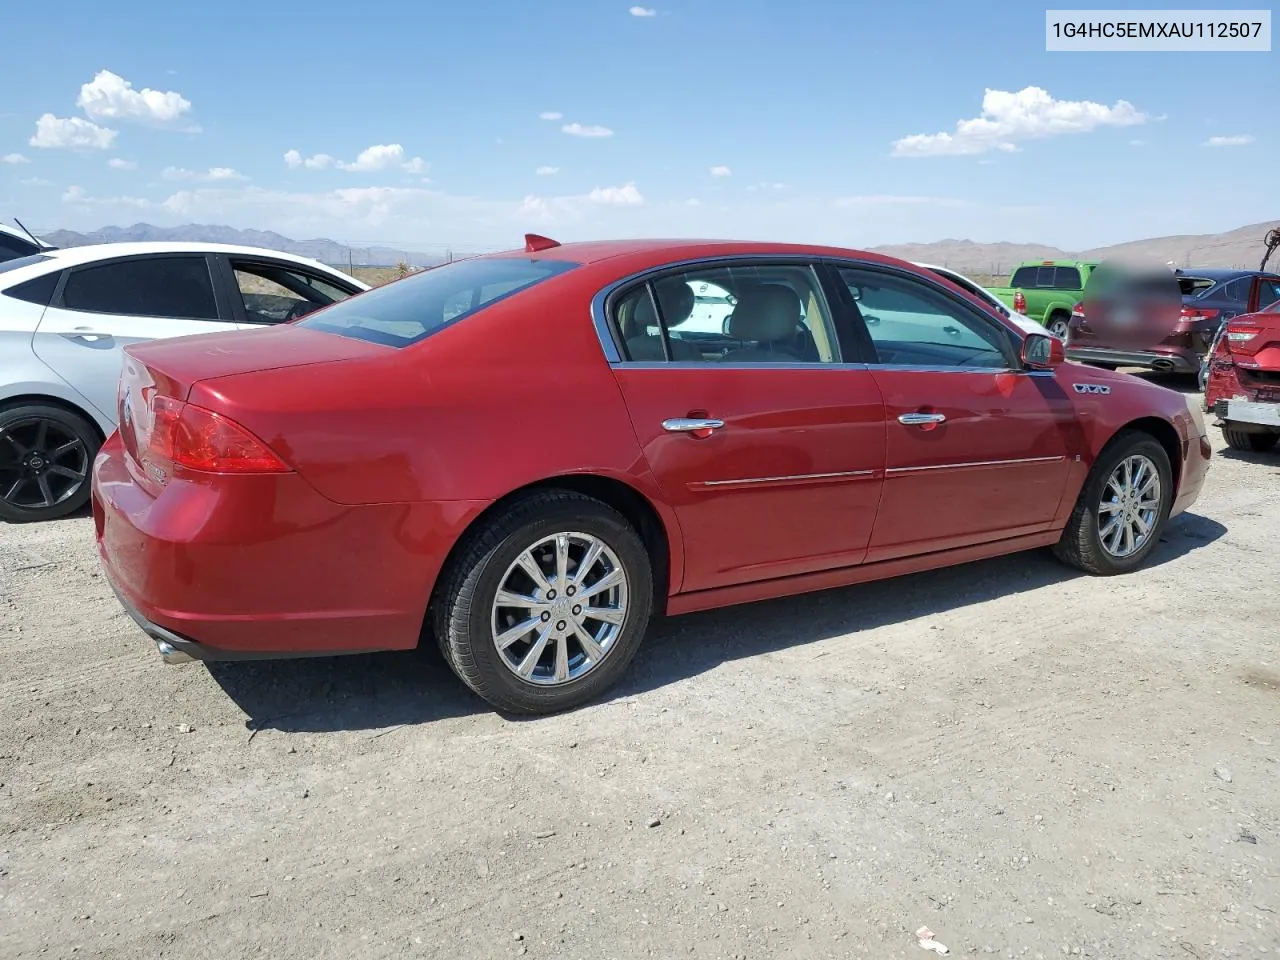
(768, 447)
(103, 307)
(977, 448)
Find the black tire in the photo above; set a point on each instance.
(1250, 442)
(56, 440)
(1081, 545)
(462, 607)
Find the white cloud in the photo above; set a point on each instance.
(1029, 114)
(37, 182)
(1238, 140)
(625, 196)
(643, 12)
(74, 194)
(70, 133)
(550, 115)
(14, 158)
(111, 97)
(587, 130)
(116, 163)
(766, 185)
(547, 171)
(79, 197)
(212, 175)
(382, 156)
(721, 171)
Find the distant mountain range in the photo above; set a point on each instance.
(1242, 247)
(1237, 248)
(326, 251)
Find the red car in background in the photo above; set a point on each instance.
(1209, 299)
(525, 455)
(1243, 383)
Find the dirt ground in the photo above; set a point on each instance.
(1030, 762)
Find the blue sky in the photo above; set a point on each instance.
(466, 124)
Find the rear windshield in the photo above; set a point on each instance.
(20, 262)
(1195, 286)
(409, 310)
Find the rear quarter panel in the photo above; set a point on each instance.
(512, 395)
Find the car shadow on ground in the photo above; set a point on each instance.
(1270, 458)
(416, 687)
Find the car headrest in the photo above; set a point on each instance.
(765, 314)
(676, 299)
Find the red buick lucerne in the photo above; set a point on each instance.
(529, 454)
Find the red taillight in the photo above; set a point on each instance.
(1019, 302)
(1191, 313)
(1078, 310)
(185, 437)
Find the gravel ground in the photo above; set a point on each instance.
(1029, 762)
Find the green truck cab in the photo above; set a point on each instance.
(1048, 289)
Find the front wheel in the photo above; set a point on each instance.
(1123, 507)
(46, 453)
(1250, 442)
(545, 606)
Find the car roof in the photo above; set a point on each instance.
(1215, 273)
(64, 257)
(661, 251)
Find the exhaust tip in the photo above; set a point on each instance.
(171, 654)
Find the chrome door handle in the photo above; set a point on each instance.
(918, 419)
(690, 424)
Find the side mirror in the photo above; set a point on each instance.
(1040, 351)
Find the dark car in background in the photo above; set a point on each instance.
(14, 244)
(1210, 298)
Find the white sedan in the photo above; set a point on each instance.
(964, 283)
(65, 317)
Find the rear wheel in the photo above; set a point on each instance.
(1253, 442)
(1058, 324)
(46, 453)
(544, 607)
(1123, 507)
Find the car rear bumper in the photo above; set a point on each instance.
(264, 567)
(1249, 412)
(1172, 362)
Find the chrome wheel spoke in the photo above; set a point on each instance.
(588, 643)
(518, 632)
(562, 659)
(611, 579)
(589, 560)
(604, 614)
(1110, 506)
(1130, 506)
(544, 626)
(530, 661)
(530, 566)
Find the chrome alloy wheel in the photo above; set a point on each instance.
(559, 609)
(1130, 507)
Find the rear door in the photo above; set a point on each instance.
(768, 444)
(264, 291)
(977, 447)
(100, 308)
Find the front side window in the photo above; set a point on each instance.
(175, 287)
(409, 310)
(272, 293)
(750, 313)
(912, 324)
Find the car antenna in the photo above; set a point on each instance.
(28, 233)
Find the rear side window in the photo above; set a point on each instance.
(21, 262)
(177, 287)
(409, 310)
(1066, 278)
(1195, 286)
(13, 247)
(1023, 277)
(40, 290)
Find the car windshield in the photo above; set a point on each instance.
(20, 262)
(409, 310)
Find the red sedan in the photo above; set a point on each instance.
(529, 454)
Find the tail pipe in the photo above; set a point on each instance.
(1162, 366)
